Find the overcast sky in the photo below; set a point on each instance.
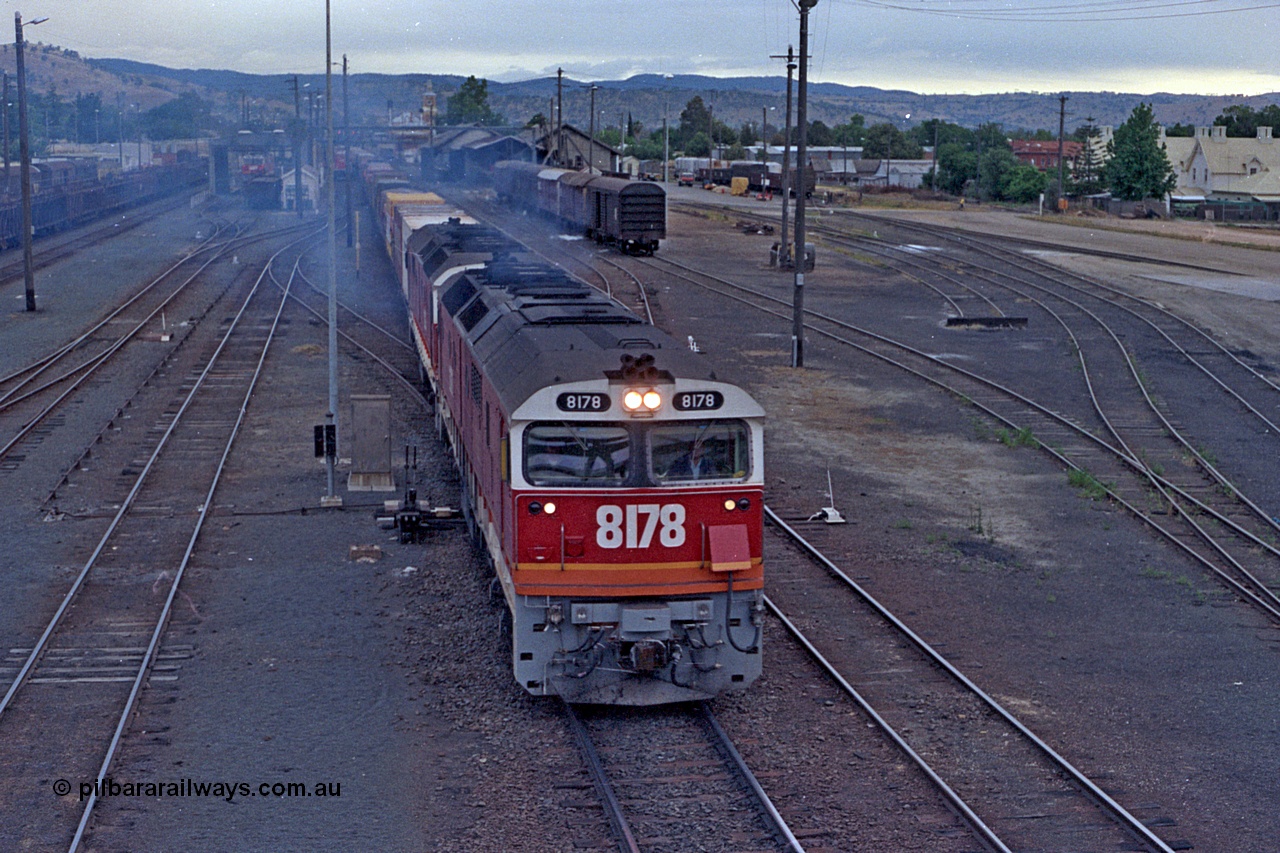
(931, 46)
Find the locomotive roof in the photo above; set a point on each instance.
(531, 325)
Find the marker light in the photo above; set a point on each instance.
(730, 505)
(549, 508)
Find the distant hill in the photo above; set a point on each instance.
(646, 97)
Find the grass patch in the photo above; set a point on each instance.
(903, 524)
(1018, 438)
(1089, 485)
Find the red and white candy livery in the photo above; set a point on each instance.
(616, 483)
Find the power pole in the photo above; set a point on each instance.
(591, 165)
(1062, 120)
(24, 147)
(346, 138)
(8, 181)
(331, 498)
(784, 254)
(802, 121)
(559, 116)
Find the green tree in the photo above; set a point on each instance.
(885, 140)
(1180, 129)
(957, 166)
(994, 166)
(470, 104)
(1023, 183)
(695, 118)
(852, 132)
(819, 135)
(1242, 120)
(699, 145)
(182, 118)
(1138, 167)
(1086, 174)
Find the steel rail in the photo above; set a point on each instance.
(1136, 465)
(148, 657)
(608, 797)
(1118, 812)
(726, 747)
(125, 505)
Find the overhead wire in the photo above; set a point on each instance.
(1088, 11)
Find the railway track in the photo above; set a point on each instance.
(71, 694)
(1107, 446)
(1012, 788)
(38, 390)
(670, 778)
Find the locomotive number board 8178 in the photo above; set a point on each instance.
(580, 402)
(698, 401)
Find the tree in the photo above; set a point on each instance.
(695, 118)
(885, 140)
(1242, 120)
(957, 166)
(470, 104)
(1087, 172)
(181, 118)
(852, 132)
(699, 145)
(1023, 183)
(819, 135)
(994, 168)
(1138, 167)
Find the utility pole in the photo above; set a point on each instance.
(331, 499)
(8, 180)
(933, 180)
(784, 255)
(1062, 120)
(297, 147)
(591, 165)
(346, 139)
(559, 116)
(802, 121)
(24, 143)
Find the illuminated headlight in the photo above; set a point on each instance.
(549, 508)
(730, 505)
(642, 400)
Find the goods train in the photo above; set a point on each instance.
(63, 199)
(615, 483)
(631, 215)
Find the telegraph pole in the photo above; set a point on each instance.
(1062, 121)
(559, 116)
(784, 255)
(346, 138)
(330, 498)
(802, 121)
(24, 143)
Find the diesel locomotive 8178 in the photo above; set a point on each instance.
(615, 483)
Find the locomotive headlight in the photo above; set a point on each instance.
(549, 508)
(730, 505)
(642, 400)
